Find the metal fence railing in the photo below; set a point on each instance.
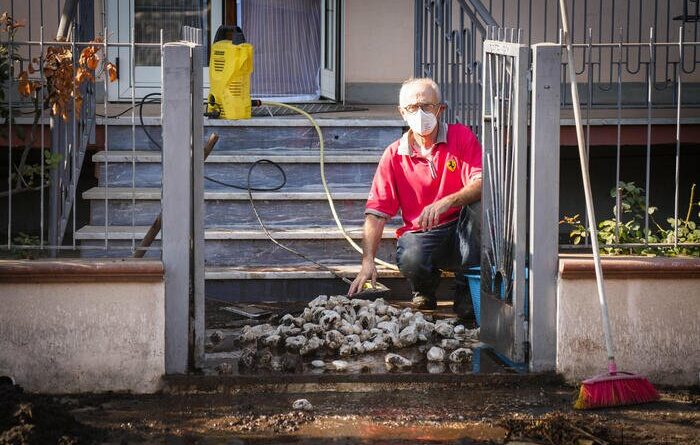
(449, 36)
(50, 122)
(654, 202)
(448, 44)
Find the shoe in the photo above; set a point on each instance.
(426, 302)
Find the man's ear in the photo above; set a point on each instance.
(401, 112)
(441, 110)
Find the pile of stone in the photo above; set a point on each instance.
(338, 326)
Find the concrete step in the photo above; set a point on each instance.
(236, 246)
(301, 168)
(281, 132)
(284, 283)
(224, 208)
(301, 282)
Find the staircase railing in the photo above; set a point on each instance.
(70, 138)
(448, 39)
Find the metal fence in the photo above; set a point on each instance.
(65, 145)
(47, 212)
(447, 46)
(636, 225)
(449, 35)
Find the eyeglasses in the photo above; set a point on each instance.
(428, 108)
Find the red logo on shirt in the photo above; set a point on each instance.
(451, 165)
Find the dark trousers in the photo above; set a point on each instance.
(455, 247)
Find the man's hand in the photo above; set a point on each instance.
(368, 271)
(374, 226)
(430, 216)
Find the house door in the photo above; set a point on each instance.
(330, 26)
(504, 197)
(142, 22)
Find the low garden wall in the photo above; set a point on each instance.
(82, 326)
(654, 306)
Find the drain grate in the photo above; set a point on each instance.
(309, 108)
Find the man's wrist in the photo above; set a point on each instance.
(452, 200)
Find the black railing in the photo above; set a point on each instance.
(448, 37)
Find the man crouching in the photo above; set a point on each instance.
(433, 175)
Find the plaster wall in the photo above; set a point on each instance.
(83, 337)
(655, 328)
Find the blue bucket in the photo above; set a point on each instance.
(473, 277)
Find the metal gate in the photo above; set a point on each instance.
(504, 139)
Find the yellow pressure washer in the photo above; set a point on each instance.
(230, 67)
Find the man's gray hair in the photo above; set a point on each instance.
(413, 81)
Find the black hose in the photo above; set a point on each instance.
(216, 181)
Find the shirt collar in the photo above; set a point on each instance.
(405, 147)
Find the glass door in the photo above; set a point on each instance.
(145, 19)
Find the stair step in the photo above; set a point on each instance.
(301, 207)
(292, 156)
(337, 134)
(266, 121)
(246, 246)
(290, 272)
(300, 282)
(313, 193)
(235, 233)
(300, 171)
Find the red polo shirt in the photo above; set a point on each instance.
(408, 182)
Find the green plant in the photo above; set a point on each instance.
(631, 208)
(25, 240)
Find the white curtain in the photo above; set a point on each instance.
(286, 36)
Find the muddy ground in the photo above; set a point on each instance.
(491, 411)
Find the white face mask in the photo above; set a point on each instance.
(421, 122)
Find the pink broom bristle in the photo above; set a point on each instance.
(615, 390)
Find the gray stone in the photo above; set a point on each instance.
(449, 343)
(313, 345)
(216, 337)
(436, 354)
(271, 340)
(294, 344)
(224, 368)
(408, 335)
(460, 355)
(302, 405)
(334, 339)
(444, 329)
(396, 361)
(340, 365)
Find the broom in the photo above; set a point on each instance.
(614, 388)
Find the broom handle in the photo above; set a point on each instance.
(587, 188)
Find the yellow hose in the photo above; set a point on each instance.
(325, 184)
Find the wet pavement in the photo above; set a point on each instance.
(496, 411)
